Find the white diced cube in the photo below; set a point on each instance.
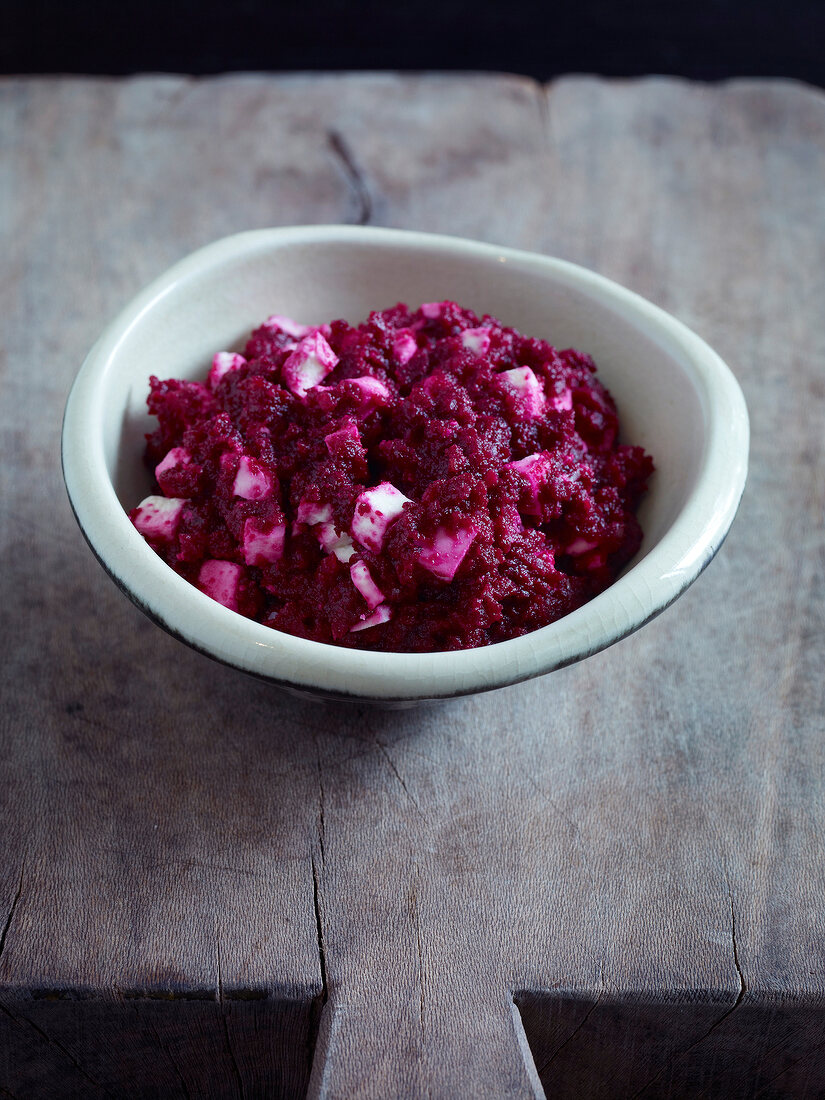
(309, 364)
(404, 346)
(375, 510)
(334, 542)
(263, 543)
(362, 579)
(563, 401)
(537, 469)
(173, 460)
(374, 393)
(446, 550)
(382, 614)
(476, 340)
(526, 390)
(220, 580)
(157, 518)
(252, 481)
(432, 309)
(287, 325)
(335, 439)
(580, 546)
(222, 363)
(313, 511)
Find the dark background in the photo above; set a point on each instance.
(707, 39)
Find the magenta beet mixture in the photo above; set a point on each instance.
(427, 480)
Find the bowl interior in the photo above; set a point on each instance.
(649, 371)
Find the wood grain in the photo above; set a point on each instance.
(211, 889)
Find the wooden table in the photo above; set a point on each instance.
(606, 882)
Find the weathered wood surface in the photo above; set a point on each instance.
(210, 889)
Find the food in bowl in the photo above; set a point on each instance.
(425, 481)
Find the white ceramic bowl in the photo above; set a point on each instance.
(675, 395)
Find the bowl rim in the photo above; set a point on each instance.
(642, 592)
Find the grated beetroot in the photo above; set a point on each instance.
(425, 481)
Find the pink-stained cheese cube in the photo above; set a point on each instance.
(313, 511)
(157, 518)
(173, 460)
(318, 516)
(220, 580)
(447, 550)
(335, 440)
(252, 481)
(476, 340)
(563, 401)
(375, 510)
(374, 394)
(287, 325)
(222, 363)
(334, 542)
(309, 364)
(404, 346)
(263, 543)
(595, 561)
(526, 390)
(432, 309)
(382, 614)
(362, 579)
(580, 546)
(537, 469)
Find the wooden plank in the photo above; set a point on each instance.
(193, 865)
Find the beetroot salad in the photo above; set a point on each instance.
(428, 480)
